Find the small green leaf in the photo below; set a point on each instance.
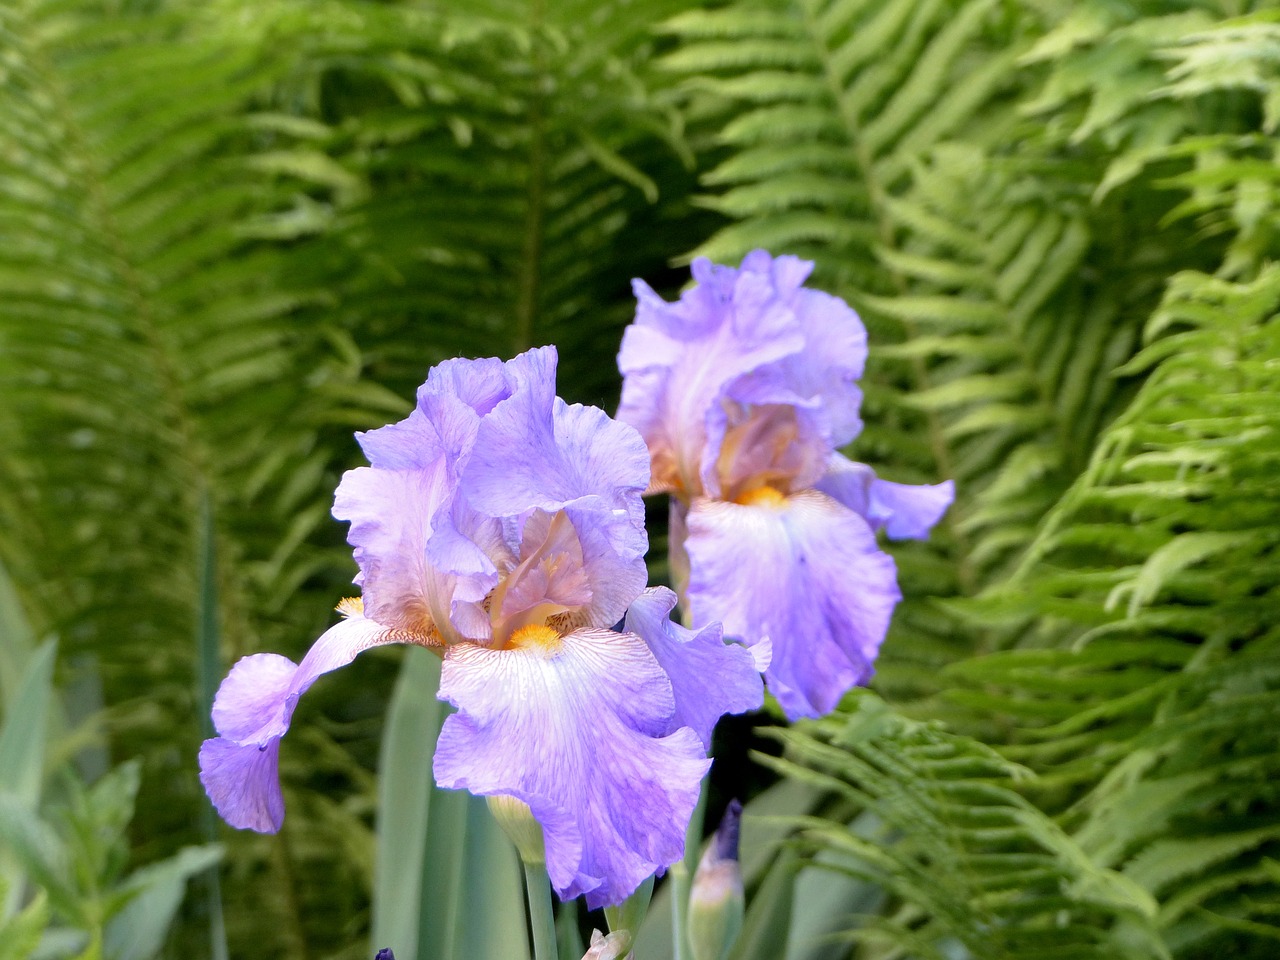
(20, 935)
(155, 892)
(1175, 556)
(22, 739)
(22, 754)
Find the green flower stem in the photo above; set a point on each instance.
(538, 889)
(679, 911)
(681, 877)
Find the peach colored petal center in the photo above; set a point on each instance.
(546, 589)
(761, 448)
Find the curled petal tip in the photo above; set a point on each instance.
(709, 677)
(243, 783)
(904, 511)
(762, 654)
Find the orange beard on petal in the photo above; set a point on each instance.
(535, 636)
(762, 497)
(414, 625)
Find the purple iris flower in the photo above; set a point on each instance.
(743, 390)
(503, 528)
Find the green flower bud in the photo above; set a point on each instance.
(516, 820)
(716, 903)
(627, 916)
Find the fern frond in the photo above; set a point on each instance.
(257, 237)
(1159, 564)
(511, 151)
(1003, 267)
(153, 355)
(872, 90)
(966, 859)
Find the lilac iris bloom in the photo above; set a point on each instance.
(743, 390)
(502, 528)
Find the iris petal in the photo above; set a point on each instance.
(410, 444)
(252, 711)
(243, 781)
(391, 514)
(536, 451)
(578, 735)
(808, 576)
(507, 527)
(905, 511)
(740, 338)
(249, 701)
(709, 677)
(677, 359)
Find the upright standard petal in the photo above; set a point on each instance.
(804, 573)
(677, 359)
(709, 677)
(904, 511)
(536, 451)
(251, 712)
(741, 339)
(391, 514)
(579, 733)
(460, 395)
(411, 444)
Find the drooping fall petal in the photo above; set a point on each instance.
(252, 711)
(805, 574)
(904, 511)
(579, 733)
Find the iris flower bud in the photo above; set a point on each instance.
(616, 946)
(517, 822)
(716, 901)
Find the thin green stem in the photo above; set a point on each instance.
(679, 911)
(541, 916)
(682, 874)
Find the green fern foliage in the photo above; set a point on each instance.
(821, 112)
(937, 821)
(153, 359)
(144, 341)
(1158, 566)
(510, 150)
(1070, 301)
(828, 103)
(232, 233)
(1151, 580)
(979, 201)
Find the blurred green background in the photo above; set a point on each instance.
(233, 232)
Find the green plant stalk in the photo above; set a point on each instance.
(208, 668)
(681, 874)
(682, 870)
(541, 917)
